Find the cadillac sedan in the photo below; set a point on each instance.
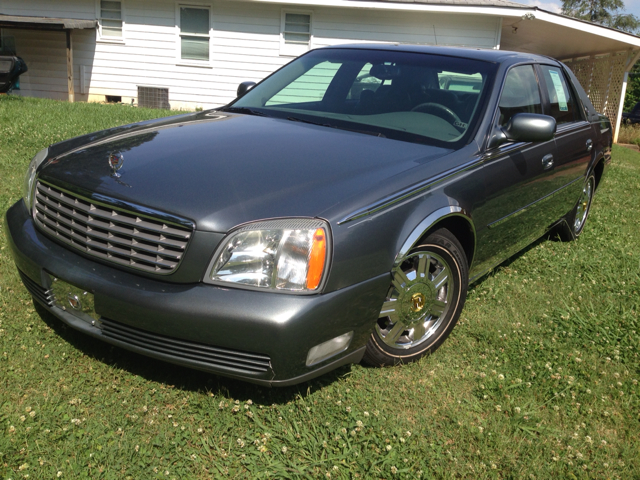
(334, 213)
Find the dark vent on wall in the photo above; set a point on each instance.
(152, 97)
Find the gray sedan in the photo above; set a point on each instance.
(336, 212)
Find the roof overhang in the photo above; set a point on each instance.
(538, 31)
(45, 23)
(562, 37)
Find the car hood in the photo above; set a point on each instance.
(220, 170)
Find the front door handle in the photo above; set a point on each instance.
(547, 162)
(589, 145)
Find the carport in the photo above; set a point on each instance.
(66, 25)
(600, 57)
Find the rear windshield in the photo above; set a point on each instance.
(415, 97)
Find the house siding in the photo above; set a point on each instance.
(245, 45)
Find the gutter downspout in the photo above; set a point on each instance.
(631, 61)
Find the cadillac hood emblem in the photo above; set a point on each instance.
(115, 163)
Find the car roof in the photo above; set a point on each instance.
(484, 54)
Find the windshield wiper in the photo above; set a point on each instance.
(244, 110)
(366, 132)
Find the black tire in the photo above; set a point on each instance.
(423, 303)
(574, 222)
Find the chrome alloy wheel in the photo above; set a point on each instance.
(582, 209)
(417, 302)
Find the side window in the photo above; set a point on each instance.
(520, 94)
(309, 87)
(563, 105)
(194, 34)
(295, 33)
(111, 19)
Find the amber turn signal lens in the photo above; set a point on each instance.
(317, 259)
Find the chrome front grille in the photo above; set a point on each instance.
(113, 234)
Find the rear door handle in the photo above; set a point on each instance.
(547, 162)
(589, 145)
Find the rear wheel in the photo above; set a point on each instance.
(576, 220)
(427, 292)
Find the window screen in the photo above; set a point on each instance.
(560, 96)
(297, 28)
(520, 93)
(194, 33)
(111, 18)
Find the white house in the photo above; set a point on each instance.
(194, 53)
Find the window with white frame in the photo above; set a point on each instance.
(111, 19)
(295, 37)
(194, 33)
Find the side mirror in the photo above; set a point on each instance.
(244, 87)
(525, 127)
(11, 67)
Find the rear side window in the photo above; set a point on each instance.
(520, 93)
(563, 105)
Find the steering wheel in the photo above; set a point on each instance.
(440, 111)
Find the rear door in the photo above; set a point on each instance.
(574, 140)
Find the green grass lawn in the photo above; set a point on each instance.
(538, 380)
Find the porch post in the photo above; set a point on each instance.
(70, 66)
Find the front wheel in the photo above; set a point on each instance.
(427, 292)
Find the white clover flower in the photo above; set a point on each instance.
(481, 429)
(284, 449)
(359, 423)
(240, 442)
(501, 377)
(407, 433)
(388, 447)
(498, 408)
(517, 409)
(59, 474)
(348, 409)
(394, 470)
(366, 414)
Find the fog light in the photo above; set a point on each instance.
(328, 349)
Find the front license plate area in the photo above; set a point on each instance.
(75, 301)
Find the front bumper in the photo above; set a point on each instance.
(220, 330)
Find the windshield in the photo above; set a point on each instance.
(414, 97)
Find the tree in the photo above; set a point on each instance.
(609, 13)
(633, 88)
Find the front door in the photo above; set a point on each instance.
(518, 177)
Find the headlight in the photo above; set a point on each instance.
(287, 254)
(27, 189)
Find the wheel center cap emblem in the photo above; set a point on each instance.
(115, 163)
(417, 302)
